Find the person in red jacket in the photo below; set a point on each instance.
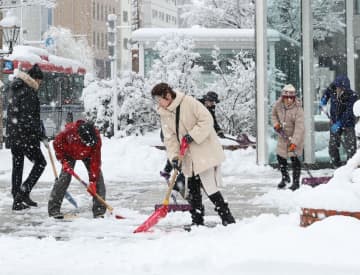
(79, 140)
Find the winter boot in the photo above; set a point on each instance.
(221, 207)
(27, 200)
(197, 208)
(296, 173)
(285, 178)
(18, 203)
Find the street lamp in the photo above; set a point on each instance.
(112, 44)
(10, 28)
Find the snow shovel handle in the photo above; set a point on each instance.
(96, 195)
(52, 163)
(183, 147)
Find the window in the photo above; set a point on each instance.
(98, 41)
(97, 11)
(125, 43)
(154, 13)
(106, 12)
(94, 10)
(125, 16)
(167, 18)
(94, 39)
(102, 41)
(102, 13)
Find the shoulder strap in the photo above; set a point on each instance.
(177, 118)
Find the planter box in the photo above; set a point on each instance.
(310, 215)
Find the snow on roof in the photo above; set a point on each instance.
(203, 35)
(9, 20)
(35, 55)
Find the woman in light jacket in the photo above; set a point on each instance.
(201, 163)
(288, 121)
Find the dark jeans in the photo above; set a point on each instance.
(348, 142)
(34, 154)
(58, 192)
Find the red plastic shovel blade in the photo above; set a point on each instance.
(153, 219)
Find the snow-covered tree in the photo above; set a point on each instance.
(235, 14)
(236, 87)
(136, 109)
(66, 45)
(285, 16)
(176, 64)
(97, 97)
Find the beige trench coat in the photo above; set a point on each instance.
(205, 151)
(291, 120)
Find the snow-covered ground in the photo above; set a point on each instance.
(269, 243)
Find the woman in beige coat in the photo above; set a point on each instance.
(288, 121)
(201, 164)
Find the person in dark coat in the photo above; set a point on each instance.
(24, 133)
(80, 140)
(342, 124)
(210, 100)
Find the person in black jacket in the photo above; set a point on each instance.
(342, 100)
(24, 133)
(210, 100)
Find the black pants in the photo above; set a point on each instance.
(349, 144)
(58, 192)
(34, 154)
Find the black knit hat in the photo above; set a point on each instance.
(212, 96)
(87, 134)
(35, 72)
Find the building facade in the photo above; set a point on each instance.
(158, 13)
(124, 35)
(88, 18)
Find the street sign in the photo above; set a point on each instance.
(49, 42)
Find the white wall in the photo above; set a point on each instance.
(124, 35)
(159, 13)
(34, 21)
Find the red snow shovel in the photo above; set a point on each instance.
(311, 180)
(96, 195)
(162, 211)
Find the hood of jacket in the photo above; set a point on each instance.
(343, 82)
(172, 107)
(22, 78)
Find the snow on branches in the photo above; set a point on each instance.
(236, 14)
(176, 64)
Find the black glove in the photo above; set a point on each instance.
(188, 138)
(175, 164)
(221, 134)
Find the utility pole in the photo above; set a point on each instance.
(112, 45)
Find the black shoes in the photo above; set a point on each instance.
(22, 201)
(27, 200)
(18, 206)
(294, 186)
(285, 179)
